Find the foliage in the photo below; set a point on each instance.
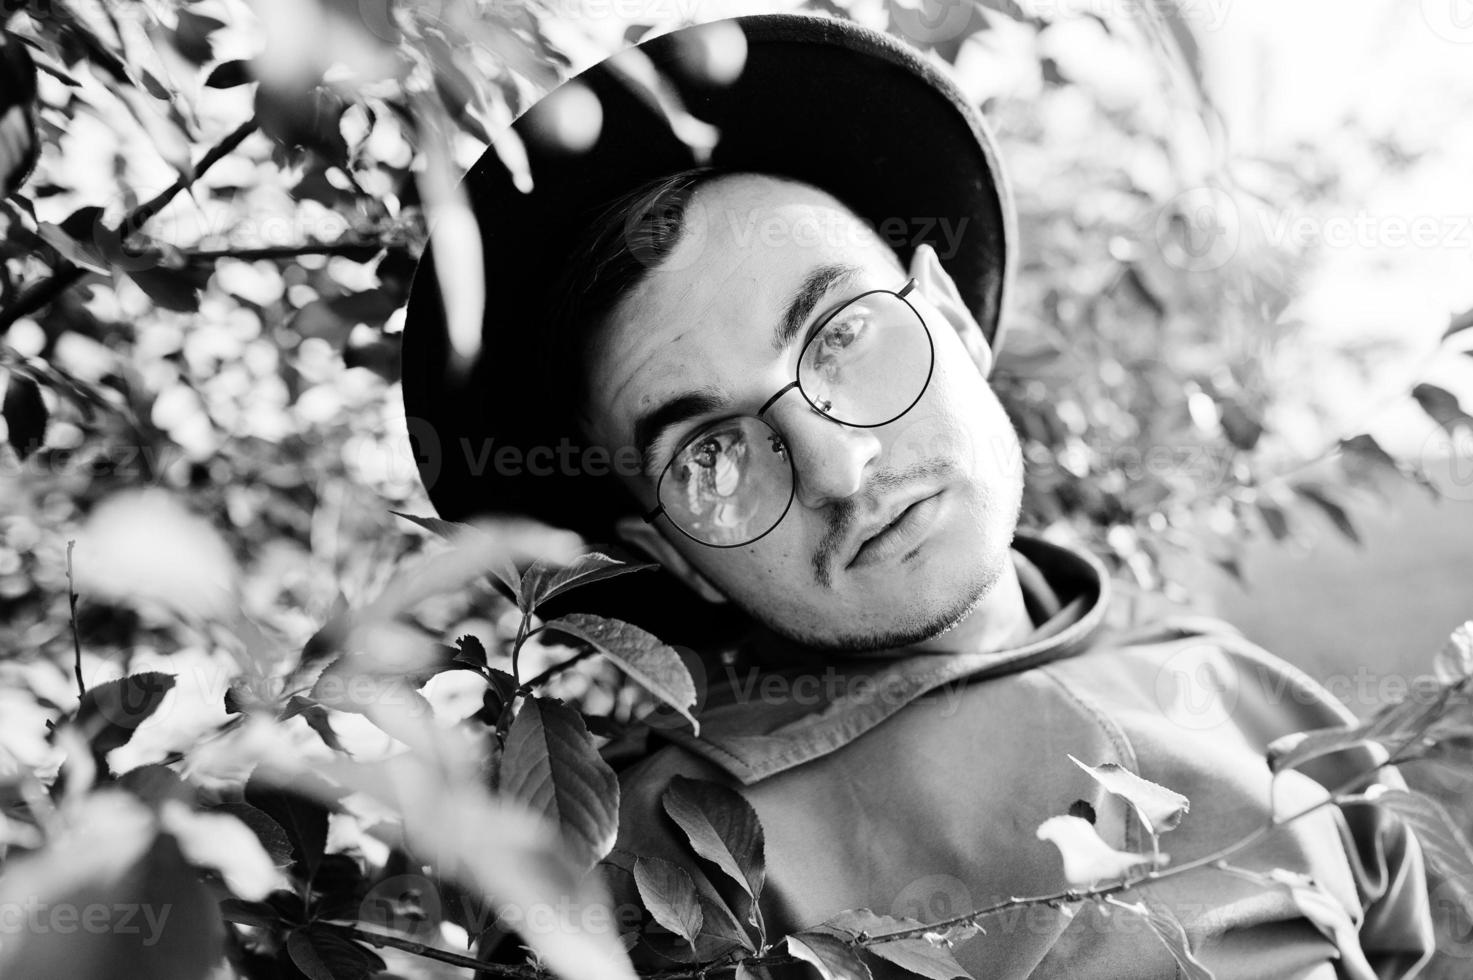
(211, 212)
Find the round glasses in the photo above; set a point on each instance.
(864, 365)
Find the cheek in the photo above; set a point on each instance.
(773, 567)
(958, 419)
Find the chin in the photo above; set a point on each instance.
(930, 604)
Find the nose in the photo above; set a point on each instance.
(829, 458)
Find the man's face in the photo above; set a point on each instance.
(704, 321)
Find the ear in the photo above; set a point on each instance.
(645, 537)
(936, 285)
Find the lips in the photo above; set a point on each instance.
(906, 526)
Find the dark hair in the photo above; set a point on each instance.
(623, 243)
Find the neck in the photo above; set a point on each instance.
(997, 622)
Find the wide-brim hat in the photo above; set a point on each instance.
(855, 112)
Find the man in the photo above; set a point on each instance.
(770, 369)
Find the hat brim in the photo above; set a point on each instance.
(850, 110)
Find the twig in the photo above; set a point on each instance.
(76, 637)
(38, 294)
(557, 668)
(381, 939)
(66, 273)
(1334, 796)
(140, 215)
(285, 251)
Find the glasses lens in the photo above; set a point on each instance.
(730, 484)
(869, 362)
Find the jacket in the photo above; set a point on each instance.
(913, 787)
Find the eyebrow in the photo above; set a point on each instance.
(815, 286)
(652, 426)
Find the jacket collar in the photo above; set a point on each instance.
(763, 716)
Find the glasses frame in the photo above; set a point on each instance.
(797, 382)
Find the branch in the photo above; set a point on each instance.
(380, 939)
(38, 294)
(1334, 796)
(557, 668)
(286, 251)
(66, 273)
(76, 637)
(140, 215)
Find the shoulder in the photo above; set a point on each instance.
(1196, 668)
(644, 829)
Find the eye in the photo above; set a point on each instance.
(712, 455)
(705, 452)
(839, 335)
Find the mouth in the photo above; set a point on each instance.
(903, 530)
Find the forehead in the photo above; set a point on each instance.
(705, 318)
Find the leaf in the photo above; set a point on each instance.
(472, 652)
(156, 784)
(1454, 662)
(835, 959)
(148, 545)
(1294, 750)
(1087, 858)
(721, 932)
(325, 955)
(110, 713)
(213, 839)
(258, 914)
(79, 238)
(466, 536)
(543, 582)
(19, 147)
(1445, 845)
(1319, 907)
(191, 36)
(550, 763)
(651, 664)
(1458, 324)
(153, 86)
(1442, 405)
(503, 687)
(1159, 808)
(108, 855)
(369, 306)
(1331, 509)
(1242, 429)
(1274, 519)
(278, 846)
(914, 955)
(229, 74)
(171, 289)
(455, 247)
(317, 718)
(25, 415)
(302, 819)
(723, 828)
(1386, 730)
(1172, 935)
(668, 891)
(498, 848)
(1363, 455)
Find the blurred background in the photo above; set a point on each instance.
(1239, 356)
(1237, 351)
